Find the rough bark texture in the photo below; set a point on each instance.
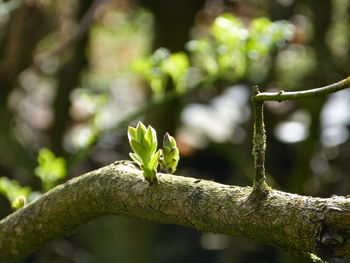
(288, 221)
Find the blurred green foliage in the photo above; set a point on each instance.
(13, 191)
(51, 169)
(156, 69)
(284, 44)
(234, 48)
(230, 51)
(19, 202)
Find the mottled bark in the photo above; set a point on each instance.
(298, 224)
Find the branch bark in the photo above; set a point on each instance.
(259, 136)
(298, 224)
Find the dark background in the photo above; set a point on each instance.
(66, 67)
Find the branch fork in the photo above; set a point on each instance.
(260, 186)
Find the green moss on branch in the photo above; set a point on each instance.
(287, 221)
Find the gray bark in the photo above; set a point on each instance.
(297, 224)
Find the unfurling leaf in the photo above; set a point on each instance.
(140, 149)
(143, 142)
(140, 130)
(132, 133)
(135, 158)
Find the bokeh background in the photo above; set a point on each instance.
(75, 74)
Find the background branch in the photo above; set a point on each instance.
(287, 221)
(259, 136)
(139, 112)
(82, 28)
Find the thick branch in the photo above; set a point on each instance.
(288, 221)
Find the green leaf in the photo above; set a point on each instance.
(176, 66)
(135, 158)
(259, 26)
(51, 169)
(132, 133)
(151, 139)
(204, 55)
(153, 163)
(141, 130)
(229, 30)
(148, 137)
(12, 189)
(140, 150)
(144, 148)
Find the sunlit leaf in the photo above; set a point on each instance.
(140, 150)
(229, 30)
(160, 55)
(132, 133)
(141, 130)
(153, 164)
(11, 189)
(176, 66)
(144, 148)
(135, 158)
(151, 139)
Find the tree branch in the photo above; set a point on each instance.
(287, 221)
(304, 94)
(259, 137)
(259, 146)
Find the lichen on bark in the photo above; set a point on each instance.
(287, 221)
(260, 187)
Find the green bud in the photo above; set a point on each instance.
(169, 155)
(19, 202)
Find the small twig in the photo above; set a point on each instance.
(259, 137)
(259, 145)
(304, 94)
